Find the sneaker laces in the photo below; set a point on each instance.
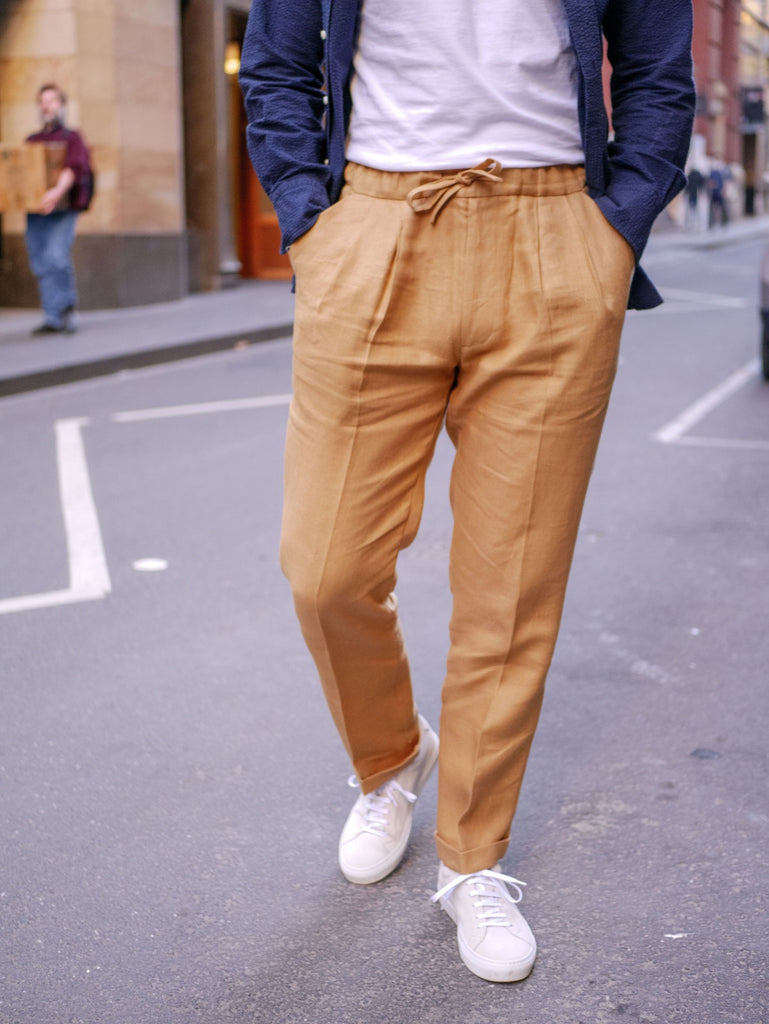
(489, 894)
(375, 807)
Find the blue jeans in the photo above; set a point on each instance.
(49, 243)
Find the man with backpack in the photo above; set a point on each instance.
(51, 231)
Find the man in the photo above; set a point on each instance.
(716, 185)
(475, 271)
(51, 232)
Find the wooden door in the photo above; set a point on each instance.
(258, 234)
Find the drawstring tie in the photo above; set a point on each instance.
(435, 194)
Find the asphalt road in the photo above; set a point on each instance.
(171, 786)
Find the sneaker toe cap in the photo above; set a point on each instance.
(366, 858)
(499, 954)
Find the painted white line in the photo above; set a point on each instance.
(706, 298)
(736, 444)
(680, 300)
(673, 431)
(149, 564)
(88, 574)
(199, 409)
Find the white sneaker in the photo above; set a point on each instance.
(375, 834)
(494, 940)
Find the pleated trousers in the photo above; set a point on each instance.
(493, 307)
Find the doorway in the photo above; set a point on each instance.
(257, 234)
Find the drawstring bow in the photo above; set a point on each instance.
(435, 194)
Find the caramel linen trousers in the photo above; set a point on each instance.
(492, 300)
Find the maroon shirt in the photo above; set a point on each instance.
(76, 157)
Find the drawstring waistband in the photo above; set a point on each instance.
(430, 190)
(434, 195)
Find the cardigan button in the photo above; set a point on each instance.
(323, 33)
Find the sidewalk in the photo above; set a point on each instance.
(118, 339)
(112, 340)
(668, 235)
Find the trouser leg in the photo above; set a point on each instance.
(36, 238)
(363, 422)
(61, 280)
(525, 417)
(49, 243)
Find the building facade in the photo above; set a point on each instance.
(153, 87)
(754, 79)
(715, 51)
(731, 68)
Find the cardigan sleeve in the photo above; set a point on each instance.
(281, 76)
(652, 91)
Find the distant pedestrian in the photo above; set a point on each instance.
(695, 184)
(465, 239)
(718, 207)
(51, 232)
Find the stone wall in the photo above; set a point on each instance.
(120, 66)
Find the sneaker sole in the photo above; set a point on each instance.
(385, 867)
(490, 970)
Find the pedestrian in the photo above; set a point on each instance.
(718, 209)
(695, 184)
(51, 231)
(463, 238)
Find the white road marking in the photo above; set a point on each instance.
(149, 564)
(88, 573)
(724, 442)
(681, 300)
(672, 433)
(707, 298)
(201, 408)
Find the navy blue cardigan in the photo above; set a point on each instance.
(297, 122)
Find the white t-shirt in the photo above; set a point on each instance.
(443, 84)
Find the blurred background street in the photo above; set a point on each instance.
(171, 789)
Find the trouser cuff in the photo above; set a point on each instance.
(465, 862)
